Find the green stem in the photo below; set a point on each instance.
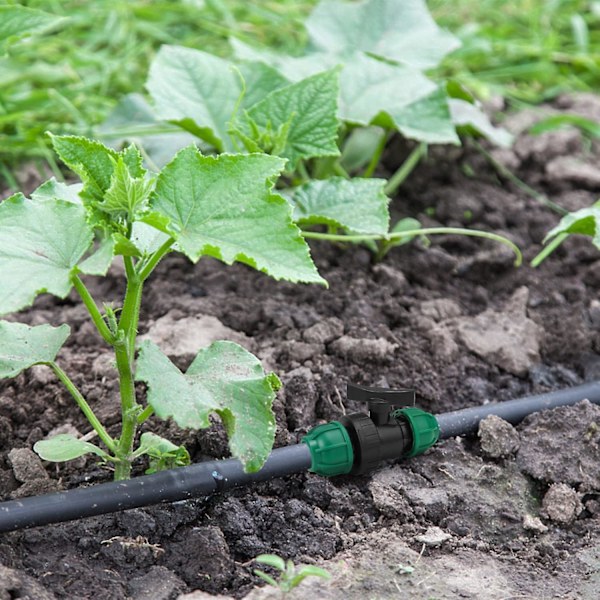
(145, 414)
(406, 168)
(374, 163)
(415, 232)
(90, 304)
(128, 413)
(339, 170)
(549, 249)
(147, 269)
(84, 406)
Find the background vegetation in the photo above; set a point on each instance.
(68, 81)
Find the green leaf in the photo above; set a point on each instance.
(91, 160)
(133, 121)
(470, 119)
(428, 120)
(293, 68)
(407, 224)
(223, 378)
(52, 189)
(308, 111)
(17, 22)
(395, 97)
(272, 560)
(584, 222)
(360, 146)
(40, 245)
(100, 260)
(311, 571)
(400, 31)
(22, 346)
(126, 196)
(357, 205)
(163, 453)
(223, 207)
(260, 80)
(64, 447)
(196, 90)
(266, 578)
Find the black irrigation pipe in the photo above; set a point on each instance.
(329, 449)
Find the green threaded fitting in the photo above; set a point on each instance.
(424, 427)
(330, 449)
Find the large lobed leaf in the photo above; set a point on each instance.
(22, 346)
(400, 31)
(196, 90)
(395, 97)
(223, 207)
(41, 243)
(357, 205)
(224, 379)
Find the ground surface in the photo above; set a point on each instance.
(514, 514)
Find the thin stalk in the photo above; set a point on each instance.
(415, 232)
(406, 168)
(92, 307)
(549, 249)
(147, 269)
(145, 415)
(340, 171)
(374, 163)
(84, 406)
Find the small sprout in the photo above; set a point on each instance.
(291, 576)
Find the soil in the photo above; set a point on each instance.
(513, 513)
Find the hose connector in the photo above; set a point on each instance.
(424, 428)
(330, 448)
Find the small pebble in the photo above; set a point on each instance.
(434, 536)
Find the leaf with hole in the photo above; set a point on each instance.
(224, 379)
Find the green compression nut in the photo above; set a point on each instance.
(330, 449)
(424, 427)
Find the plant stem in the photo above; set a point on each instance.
(125, 354)
(549, 249)
(415, 232)
(128, 413)
(145, 414)
(147, 269)
(90, 304)
(406, 168)
(374, 163)
(340, 171)
(84, 406)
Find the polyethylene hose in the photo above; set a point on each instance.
(201, 479)
(465, 421)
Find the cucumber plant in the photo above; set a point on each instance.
(220, 206)
(329, 113)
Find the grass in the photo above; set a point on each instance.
(67, 82)
(526, 50)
